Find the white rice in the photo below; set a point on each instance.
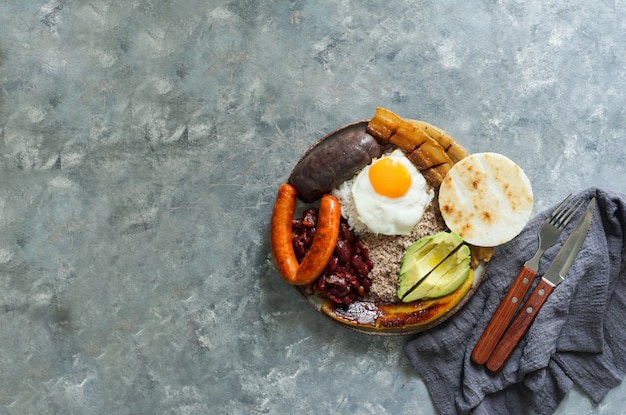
(343, 193)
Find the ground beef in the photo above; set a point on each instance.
(386, 253)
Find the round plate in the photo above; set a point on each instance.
(369, 308)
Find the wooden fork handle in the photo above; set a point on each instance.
(503, 316)
(519, 326)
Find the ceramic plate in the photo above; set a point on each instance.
(370, 317)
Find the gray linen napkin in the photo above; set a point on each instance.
(578, 337)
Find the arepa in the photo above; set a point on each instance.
(486, 198)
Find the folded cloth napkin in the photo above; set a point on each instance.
(578, 337)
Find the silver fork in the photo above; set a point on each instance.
(551, 229)
(548, 235)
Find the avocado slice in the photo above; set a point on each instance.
(455, 279)
(418, 248)
(424, 256)
(445, 278)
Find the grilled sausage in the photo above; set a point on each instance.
(324, 241)
(280, 231)
(333, 160)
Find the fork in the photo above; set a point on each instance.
(548, 235)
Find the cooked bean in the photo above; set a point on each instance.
(309, 217)
(333, 265)
(359, 265)
(344, 279)
(346, 233)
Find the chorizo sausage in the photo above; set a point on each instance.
(333, 160)
(280, 231)
(324, 241)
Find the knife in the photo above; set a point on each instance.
(548, 236)
(554, 276)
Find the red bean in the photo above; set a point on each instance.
(346, 233)
(343, 251)
(298, 247)
(332, 265)
(309, 217)
(344, 279)
(361, 249)
(359, 265)
(366, 283)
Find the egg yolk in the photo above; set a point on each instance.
(389, 177)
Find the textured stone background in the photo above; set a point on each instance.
(141, 146)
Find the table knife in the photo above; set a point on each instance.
(548, 235)
(555, 274)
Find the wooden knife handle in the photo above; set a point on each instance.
(519, 326)
(503, 316)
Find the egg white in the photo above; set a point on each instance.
(385, 215)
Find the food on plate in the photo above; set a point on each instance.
(486, 198)
(453, 149)
(384, 123)
(480, 254)
(332, 161)
(433, 267)
(386, 252)
(422, 257)
(388, 261)
(388, 196)
(431, 153)
(383, 316)
(323, 243)
(423, 143)
(345, 278)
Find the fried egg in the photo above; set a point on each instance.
(390, 195)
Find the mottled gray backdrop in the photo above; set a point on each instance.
(142, 144)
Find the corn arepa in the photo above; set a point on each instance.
(486, 198)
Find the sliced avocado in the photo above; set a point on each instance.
(422, 257)
(409, 260)
(456, 277)
(445, 278)
(417, 249)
